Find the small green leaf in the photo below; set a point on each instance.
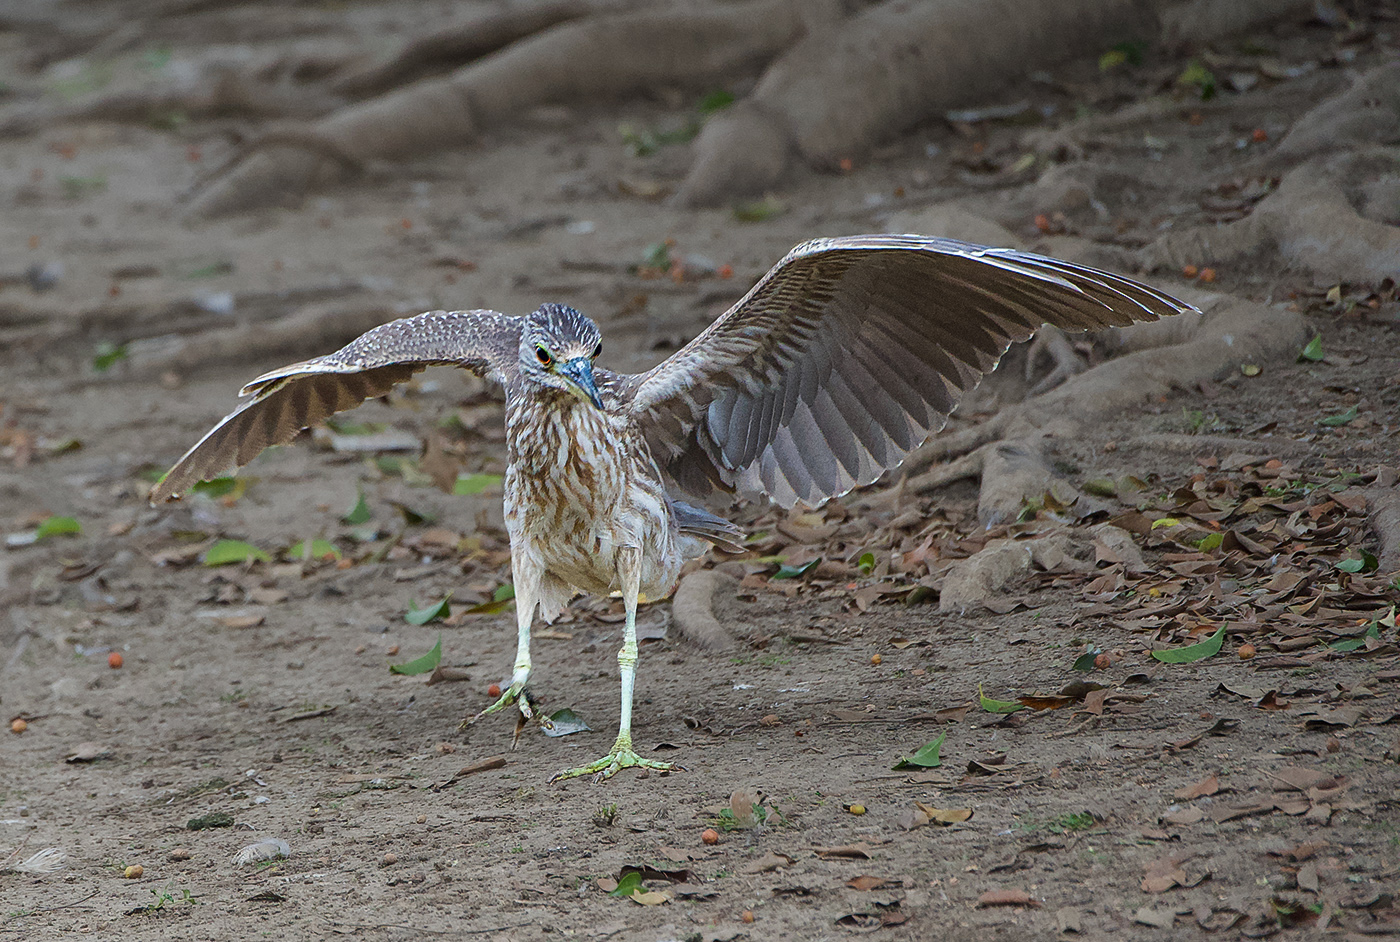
(225, 552)
(422, 665)
(716, 101)
(796, 572)
(357, 514)
(215, 488)
(1340, 419)
(471, 484)
(1112, 59)
(1313, 350)
(925, 758)
(996, 706)
(1352, 644)
(1198, 75)
(866, 564)
(421, 616)
(1193, 652)
(1367, 563)
(1211, 541)
(630, 883)
(107, 354)
(315, 549)
(503, 593)
(1085, 661)
(1165, 522)
(657, 255)
(760, 210)
(57, 526)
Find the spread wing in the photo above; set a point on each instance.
(851, 352)
(295, 397)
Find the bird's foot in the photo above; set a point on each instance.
(515, 693)
(622, 756)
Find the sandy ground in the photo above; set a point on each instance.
(1225, 798)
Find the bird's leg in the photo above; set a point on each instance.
(527, 581)
(623, 756)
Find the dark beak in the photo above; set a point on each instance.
(579, 371)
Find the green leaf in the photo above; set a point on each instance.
(1211, 541)
(716, 101)
(866, 565)
(1085, 661)
(760, 210)
(413, 517)
(421, 616)
(503, 593)
(471, 484)
(342, 427)
(1367, 563)
(107, 354)
(357, 514)
(1198, 75)
(657, 255)
(225, 552)
(1352, 644)
(926, 757)
(1340, 419)
(57, 526)
(1112, 59)
(215, 488)
(630, 883)
(1313, 350)
(422, 665)
(1193, 652)
(996, 706)
(795, 572)
(315, 549)
(1165, 522)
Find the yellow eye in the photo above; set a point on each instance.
(543, 356)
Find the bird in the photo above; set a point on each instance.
(844, 357)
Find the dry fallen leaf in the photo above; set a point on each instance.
(865, 882)
(768, 863)
(1206, 786)
(1006, 898)
(860, 850)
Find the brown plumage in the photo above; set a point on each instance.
(842, 359)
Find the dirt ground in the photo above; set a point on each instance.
(1223, 798)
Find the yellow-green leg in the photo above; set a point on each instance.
(526, 596)
(623, 756)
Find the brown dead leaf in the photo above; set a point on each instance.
(264, 596)
(242, 621)
(1184, 816)
(860, 851)
(1299, 779)
(1006, 898)
(865, 882)
(768, 863)
(1206, 786)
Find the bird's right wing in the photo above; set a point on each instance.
(295, 397)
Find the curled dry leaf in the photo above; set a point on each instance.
(1209, 785)
(922, 814)
(768, 863)
(865, 882)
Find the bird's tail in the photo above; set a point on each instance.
(692, 521)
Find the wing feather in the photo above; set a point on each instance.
(295, 397)
(850, 352)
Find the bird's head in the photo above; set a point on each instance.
(558, 347)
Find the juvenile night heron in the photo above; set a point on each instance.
(842, 359)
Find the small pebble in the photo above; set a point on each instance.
(856, 809)
(1334, 744)
(1103, 662)
(422, 819)
(393, 650)
(710, 836)
(114, 661)
(746, 916)
(1246, 651)
(876, 659)
(390, 859)
(494, 690)
(18, 726)
(134, 872)
(180, 853)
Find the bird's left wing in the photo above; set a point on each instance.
(295, 397)
(850, 352)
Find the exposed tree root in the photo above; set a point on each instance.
(1384, 505)
(692, 609)
(1310, 223)
(842, 90)
(1368, 113)
(597, 57)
